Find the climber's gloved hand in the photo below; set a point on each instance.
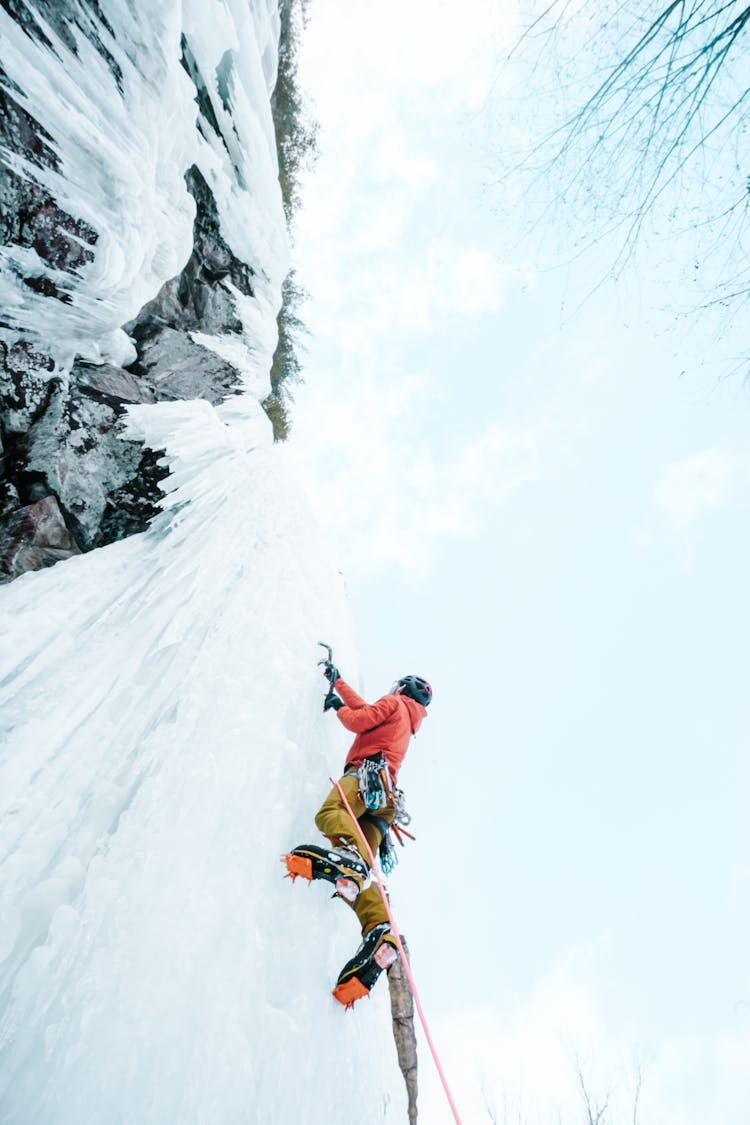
(332, 701)
(331, 672)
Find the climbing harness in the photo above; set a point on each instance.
(375, 783)
(376, 791)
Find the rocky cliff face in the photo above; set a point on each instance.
(142, 250)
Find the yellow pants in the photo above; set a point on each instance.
(334, 821)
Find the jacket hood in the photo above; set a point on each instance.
(416, 712)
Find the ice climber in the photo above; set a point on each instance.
(369, 782)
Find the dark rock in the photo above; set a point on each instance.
(76, 448)
(198, 299)
(47, 288)
(20, 132)
(9, 499)
(214, 257)
(29, 215)
(34, 537)
(178, 368)
(25, 385)
(59, 239)
(111, 385)
(207, 115)
(131, 508)
(63, 438)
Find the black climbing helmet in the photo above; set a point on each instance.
(415, 687)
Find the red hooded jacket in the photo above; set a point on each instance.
(383, 728)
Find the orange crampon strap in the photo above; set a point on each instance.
(350, 992)
(297, 865)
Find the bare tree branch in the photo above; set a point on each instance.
(659, 136)
(595, 1113)
(637, 1095)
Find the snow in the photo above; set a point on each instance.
(163, 740)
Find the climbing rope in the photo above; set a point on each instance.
(404, 961)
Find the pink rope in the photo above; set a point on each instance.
(404, 961)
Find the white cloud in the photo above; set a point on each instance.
(370, 234)
(396, 160)
(479, 284)
(419, 47)
(382, 246)
(451, 283)
(522, 1064)
(691, 486)
(373, 297)
(397, 492)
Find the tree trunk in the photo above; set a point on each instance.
(402, 1011)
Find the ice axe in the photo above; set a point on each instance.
(328, 662)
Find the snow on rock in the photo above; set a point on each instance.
(166, 744)
(119, 165)
(141, 210)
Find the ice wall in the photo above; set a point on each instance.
(166, 743)
(163, 740)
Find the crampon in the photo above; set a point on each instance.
(335, 865)
(377, 952)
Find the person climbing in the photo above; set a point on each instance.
(383, 731)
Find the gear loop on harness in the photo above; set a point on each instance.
(375, 783)
(400, 815)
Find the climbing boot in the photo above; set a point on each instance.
(340, 866)
(377, 952)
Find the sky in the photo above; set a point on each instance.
(536, 480)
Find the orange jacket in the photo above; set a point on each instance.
(383, 728)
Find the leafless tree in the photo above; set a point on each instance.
(596, 1111)
(651, 107)
(596, 1108)
(637, 1093)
